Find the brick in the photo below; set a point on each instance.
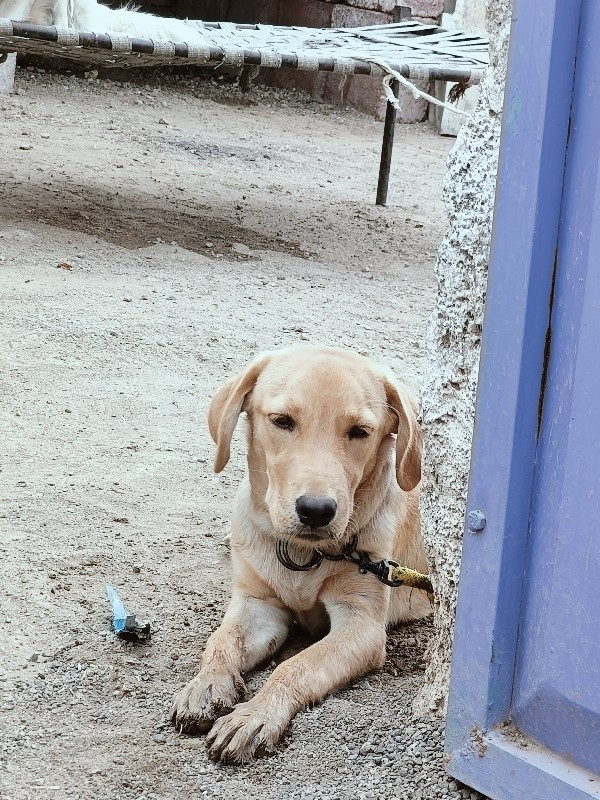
(419, 8)
(358, 91)
(425, 8)
(263, 11)
(347, 17)
(366, 94)
(306, 13)
(211, 10)
(386, 6)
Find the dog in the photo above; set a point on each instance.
(334, 461)
(89, 15)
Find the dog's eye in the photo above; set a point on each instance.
(356, 432)
(284, 421)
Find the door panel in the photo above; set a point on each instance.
(524, 705)
(557, 689)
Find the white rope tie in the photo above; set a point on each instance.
(67, 37)
(120, 44)
(394, 75)
(163, 48)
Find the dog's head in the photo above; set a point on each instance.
(322, 423)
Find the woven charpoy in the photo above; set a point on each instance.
(416, 51)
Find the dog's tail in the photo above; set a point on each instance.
(90, 15)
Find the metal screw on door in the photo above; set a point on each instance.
(476, 521)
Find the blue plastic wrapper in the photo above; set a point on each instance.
(125, 625)
(119, 613)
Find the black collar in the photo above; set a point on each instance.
(381, 569)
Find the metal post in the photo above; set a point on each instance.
(386, 148)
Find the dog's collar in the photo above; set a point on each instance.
(383, 570)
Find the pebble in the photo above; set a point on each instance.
(243, 249)
(159, 738)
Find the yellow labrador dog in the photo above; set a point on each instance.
(334, 460)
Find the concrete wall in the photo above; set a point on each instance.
(453, 344)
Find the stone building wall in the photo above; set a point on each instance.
(358, 91)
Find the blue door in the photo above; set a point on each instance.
(524, 715)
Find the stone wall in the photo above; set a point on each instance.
(453, 344)
(359, 91)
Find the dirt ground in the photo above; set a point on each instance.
(154, 237)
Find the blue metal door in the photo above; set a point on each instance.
(524, 717)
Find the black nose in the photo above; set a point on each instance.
(316, 512)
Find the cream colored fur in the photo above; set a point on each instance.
(89, 15)
(326, 393)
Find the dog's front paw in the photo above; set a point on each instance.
(203, 700)
(248, 732)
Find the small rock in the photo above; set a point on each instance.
(159, 738)
(137, 570)
(243, 249)
(163, 121)
(366, 748)
(26, 147)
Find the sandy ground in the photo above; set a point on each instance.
(153, 238)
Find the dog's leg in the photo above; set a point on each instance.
(60, 14)
(38, 12)
(354, 646)
(252, 630)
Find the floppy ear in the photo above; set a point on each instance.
(409, 439)
(227, 406)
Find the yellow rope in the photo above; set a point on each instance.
(410, 577)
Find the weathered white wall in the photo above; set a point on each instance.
(468, 16)
(453, 343)
(7, 73)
